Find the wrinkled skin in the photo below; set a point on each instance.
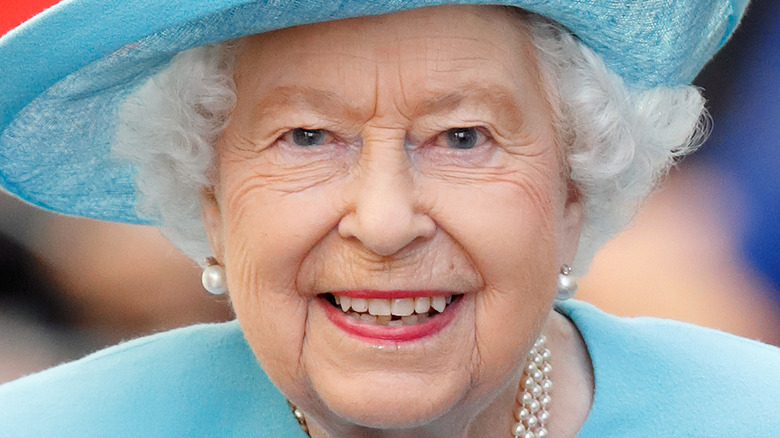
(384, 202)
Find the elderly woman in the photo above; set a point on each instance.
(396, 200)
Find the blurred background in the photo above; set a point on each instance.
(705, 249)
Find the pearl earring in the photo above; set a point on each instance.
(567, 284)
(214, 278)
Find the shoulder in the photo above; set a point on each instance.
(670, 377)
(665, 339)
(193, 381)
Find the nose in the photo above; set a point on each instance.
(385, 209)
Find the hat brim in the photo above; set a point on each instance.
(65, 72)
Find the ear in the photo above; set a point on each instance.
(573, 217)
(211, 214)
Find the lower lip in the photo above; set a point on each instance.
(379, 333)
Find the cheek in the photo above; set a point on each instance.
(268, 233)
(508, 228)
(507, 224)
(270, 228)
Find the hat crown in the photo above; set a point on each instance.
(59, 95)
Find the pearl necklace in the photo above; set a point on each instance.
(533, 396)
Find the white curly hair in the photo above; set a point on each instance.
(617, 142)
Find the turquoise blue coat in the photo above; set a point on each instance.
(653, 378)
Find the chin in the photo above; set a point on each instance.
(391, 402)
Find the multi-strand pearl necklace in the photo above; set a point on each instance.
(533, 396)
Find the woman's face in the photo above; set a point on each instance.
(391, 162)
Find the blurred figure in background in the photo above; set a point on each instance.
(722, 204)
(745, 144)
(33, 317)
(70, 286)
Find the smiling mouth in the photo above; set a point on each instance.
(391, 311)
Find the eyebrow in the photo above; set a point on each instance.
(323, 101)
(447, 102)
(498, 99)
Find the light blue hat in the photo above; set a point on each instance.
(64, 73)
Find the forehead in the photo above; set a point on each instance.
(422, 55)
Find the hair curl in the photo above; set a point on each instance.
(617, 142)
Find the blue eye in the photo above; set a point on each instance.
(308, 137)
(463, 138)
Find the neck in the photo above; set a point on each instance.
(571, 399)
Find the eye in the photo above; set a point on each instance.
(461, 138)
(306, 137)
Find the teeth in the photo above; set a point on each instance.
(402, 306)
(393, 312)
(438, 303)
(383, 319)
(377, 306)
(360, 305)
(409, 320)
(346, 303)
(422, 304)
